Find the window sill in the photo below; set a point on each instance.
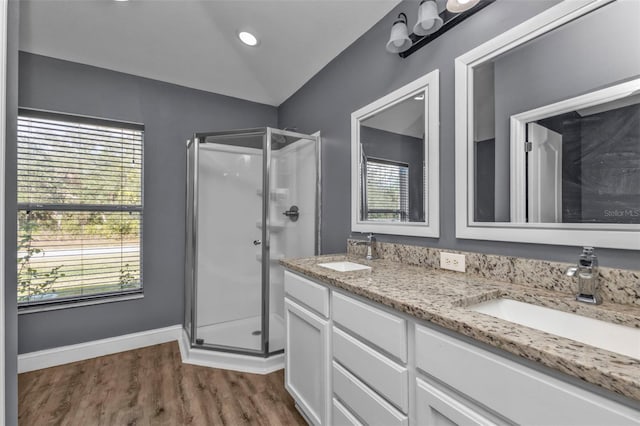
(78, 303)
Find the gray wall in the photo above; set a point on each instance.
(485, 173)
(365, 72)
(10, 291)
(171, 114)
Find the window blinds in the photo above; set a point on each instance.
(79, 208)
(387, 190)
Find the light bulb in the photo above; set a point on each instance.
(429, 20)
(428, 25)
(248, 38)
(459, 6)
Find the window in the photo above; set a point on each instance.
(79, 208)
(387, 190)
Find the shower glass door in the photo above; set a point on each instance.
(293, 181)
(252, 199)
(229, 250)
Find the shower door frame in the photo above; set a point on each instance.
(191, 266)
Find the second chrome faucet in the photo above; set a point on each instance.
(587, 271)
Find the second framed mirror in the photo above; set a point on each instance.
(394, 162)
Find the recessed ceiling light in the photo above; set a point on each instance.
(248, 38)
(120, 0)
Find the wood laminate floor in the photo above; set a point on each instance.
(151, 386)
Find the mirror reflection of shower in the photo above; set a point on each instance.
(236, 234)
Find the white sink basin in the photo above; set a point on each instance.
(344, 266)
(612, 337)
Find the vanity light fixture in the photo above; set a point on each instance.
(429, 20)
(399, 40)
(247, 38)
(435, 17)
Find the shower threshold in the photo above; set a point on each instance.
(241, 333)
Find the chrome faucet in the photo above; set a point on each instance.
(371, 247)
(587, 270)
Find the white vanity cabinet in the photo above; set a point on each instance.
(350, 362)
(513, 392)
(307, 335)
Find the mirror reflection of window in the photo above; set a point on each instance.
(386, 193)
(392, 148)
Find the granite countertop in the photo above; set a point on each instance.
(441, 297)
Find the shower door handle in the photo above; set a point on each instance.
(257, 242)
(293, 213)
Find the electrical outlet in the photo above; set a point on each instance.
(454, 262)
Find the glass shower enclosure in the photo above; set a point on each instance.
(252, 199)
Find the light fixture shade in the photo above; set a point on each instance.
(457, 6)
(429, 20)
(399, 40)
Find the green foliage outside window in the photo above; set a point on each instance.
(31, 281)
(80, 209)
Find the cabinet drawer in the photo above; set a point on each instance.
(342, 416)
(385, 330)
(491, 380)
(435, 407)
(314, 295)
(376, 370)
(369, 406)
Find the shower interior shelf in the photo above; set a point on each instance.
(275, 257)
(274, 227)
(277, 194)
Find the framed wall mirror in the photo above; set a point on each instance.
(394, 162)
(548, 130)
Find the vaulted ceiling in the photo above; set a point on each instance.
(194, 43)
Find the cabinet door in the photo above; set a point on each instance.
(307, 361)
(437, 408)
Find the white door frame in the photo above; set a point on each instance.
(538, 173)
(3, 127)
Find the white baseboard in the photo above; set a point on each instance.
(206, 358)
(72, 353)
(228, 361)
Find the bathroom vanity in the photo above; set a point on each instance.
(398, 344)
(404, 342)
